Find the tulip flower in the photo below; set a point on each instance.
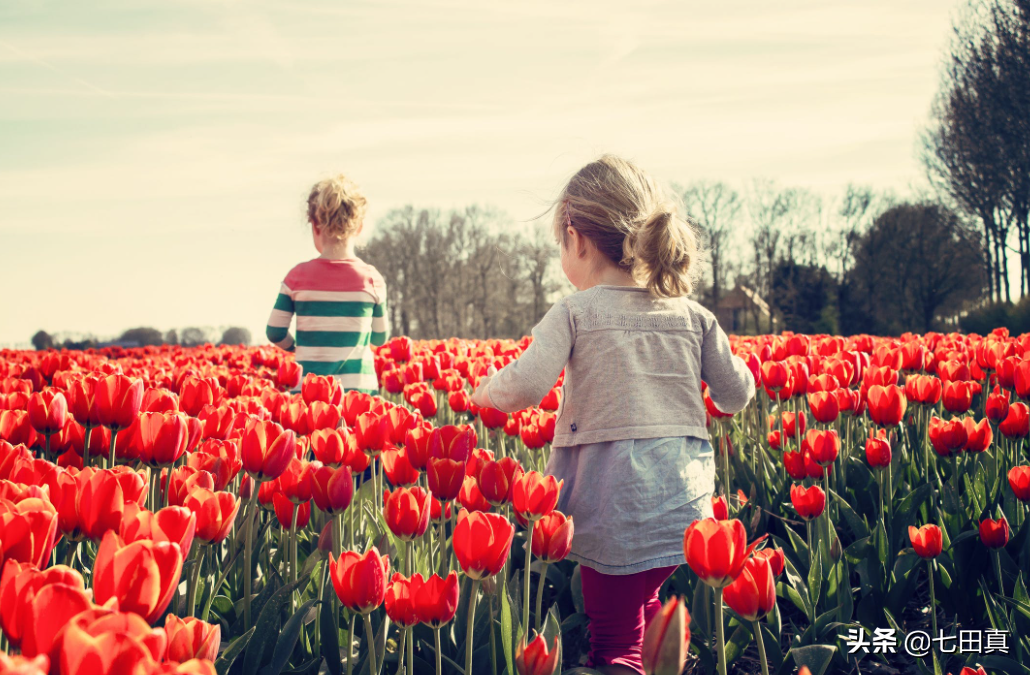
(399, 470)
(215, 513)
(808, 502)
(534, 495)
(926, 540)
(1019, 481)
(716, 550)
(406, 512)
(552, 537)
(720, 508)
(108, 642)
(496, 478)
(667, 639)
(482, 542)
(878, 450)
(436, 600)
(321, 388)
(175, 524)
(997, 407)
(923, 389)
(101, 503)
(118, 400)
(947, 436)
(887, 405)
(23, 665)
(285, 509)
(28, 530)
(978, 435)
(824, 446)
(332, 489)
(329, 446)
(372, 432)
(535, 658)
(776, 558)
(48, 411)
(824, 406)
(267, 449)
(142, 575)
(957, 396)
(19, 584)
(289, 375)
(360, 584)
(752, 594)
(162, 438)
(191, 638)
(1017, 423)
(994, 533)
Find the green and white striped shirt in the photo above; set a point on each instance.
(341, 311)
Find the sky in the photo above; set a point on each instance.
(155, 156)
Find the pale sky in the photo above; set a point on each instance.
(154, 156)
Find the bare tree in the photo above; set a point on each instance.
(715, 206)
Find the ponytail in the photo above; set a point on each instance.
(664, 249)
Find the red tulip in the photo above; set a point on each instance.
(824, 406)
(775, 375)
(191, 638)
(371, 433)
(296, 481)
(159, 400)
(926, 540)
(142, 575)
(360, 580)
(1017, 423)
(776, 558)
(824, 446)
(958, 396)
(1019, 481)
(332, 489)
(329, 446)
(197, 392)
(215, 512)
(161, 438)
(176, 524)
(266, 450)
(493, 418)
(284, 511)
(552, 537)
(399, 470)
(436, 600)
(400, 599)
(717, 549)
(416, 446)
(878, 450)
(48, 411)
(459, 401)
(22, 665)
(886, 405)
(101, 503)
(108, 642)
(28, 530)
(321, 388)
(19, 585)
(406, 512)
(118, 400)
(289, 375)
(997, 405)
(752, 594)
(534, 495)
(535, 658)
(808, 502)
(496, 479)
(481, 542)
(720, 508)
(978, 435)
(453, 443)
(923, 389)
(994, 533)
(947, 436)
(46, 612)
(667, 639)
(180, 482)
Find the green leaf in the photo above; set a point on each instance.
(1003, 664)
(507, 629)
(700, 611)
(330, 639)
(309, 668)
(552, 632)
(267, 628)
(737, 643)
(815, 578)
(287, 640)
(816, 657)
(225, 661)
(881, 541)
(576, 588)
(856, 523)
(800, 547)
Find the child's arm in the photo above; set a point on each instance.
(525, 381)
(380, 319)
(730, 382)
(278, 329)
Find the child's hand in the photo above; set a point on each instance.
(479, 396)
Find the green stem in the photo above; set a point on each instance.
(525, 582)
(493, 640)
(719, 638)
(248, 545)
(761, 647)
(370, 638)
(411, 651)
(350, 646)
(933, 598)
(997, 570)
(293, 554)
(114, 437)
(400, 651)
(439, 662)
(195, 581)
(471, 624)
(85, 444)
(540, 596)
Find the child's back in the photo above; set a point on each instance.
(339, 300)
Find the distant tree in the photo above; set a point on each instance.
(42, 341)
(172, 337)
(806, 297)
(193, 337)
(142, 336)
(917, 263)
(715, 207)
(236, 335)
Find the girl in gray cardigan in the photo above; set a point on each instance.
(630, 441)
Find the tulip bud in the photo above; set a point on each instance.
(667, 640)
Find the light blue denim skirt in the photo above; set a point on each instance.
(632, 500)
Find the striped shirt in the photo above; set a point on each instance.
(341, 310)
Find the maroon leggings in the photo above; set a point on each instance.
(620, 607)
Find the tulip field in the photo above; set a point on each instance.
(214, 510)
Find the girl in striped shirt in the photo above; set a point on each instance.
(339, 300)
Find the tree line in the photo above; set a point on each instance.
(145, 336)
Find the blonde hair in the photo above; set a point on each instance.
(337, 206)
(631, 220)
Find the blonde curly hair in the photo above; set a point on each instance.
(337, 207)
(632, 221)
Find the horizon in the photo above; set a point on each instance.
(158, 156)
